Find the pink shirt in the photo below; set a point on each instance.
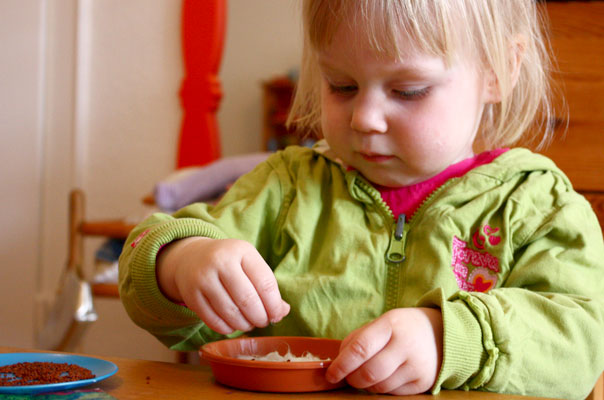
(406, 199)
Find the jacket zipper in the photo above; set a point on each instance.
(396, 249)
(399, 230)
(395, 253)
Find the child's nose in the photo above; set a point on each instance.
(368, 115)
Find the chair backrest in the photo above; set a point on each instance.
(576, 31)
(598, 392)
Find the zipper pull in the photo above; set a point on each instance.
(396, 249)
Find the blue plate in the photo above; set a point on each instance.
(100, 368)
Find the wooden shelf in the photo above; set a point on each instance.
(277, 98)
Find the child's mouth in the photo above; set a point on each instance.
(375, 158)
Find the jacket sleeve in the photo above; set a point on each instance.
(253, 203)
(542, 331)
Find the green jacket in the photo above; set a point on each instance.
(512, 256)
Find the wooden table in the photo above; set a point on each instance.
(138, 379)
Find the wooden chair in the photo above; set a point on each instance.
(576, 32)
(79, 228)
(598, 392)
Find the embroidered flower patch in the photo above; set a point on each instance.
(476, 271)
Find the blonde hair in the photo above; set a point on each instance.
(485, 29)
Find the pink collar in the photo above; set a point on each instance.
(406, 199)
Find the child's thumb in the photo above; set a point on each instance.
(285, 308)
(282, 312)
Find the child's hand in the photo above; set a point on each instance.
(398, 353)
(226, 282)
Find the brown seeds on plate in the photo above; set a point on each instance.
(42, 373)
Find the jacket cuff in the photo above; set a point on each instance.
(139, 290)
(463, 350)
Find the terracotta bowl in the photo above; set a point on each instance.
(271, 376)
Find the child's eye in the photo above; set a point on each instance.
(414, 94)
(342, 89)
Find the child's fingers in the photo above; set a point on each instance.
(200, 306)
(403, 381)
(365, 344)
(377, 368)
(223, 305)
(264, 281)
(246, 297)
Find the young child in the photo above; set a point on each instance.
(438, 267)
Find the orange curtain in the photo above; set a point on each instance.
(203, 29)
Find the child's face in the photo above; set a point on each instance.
(397, 123)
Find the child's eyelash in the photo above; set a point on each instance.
(415, 94)
(342, 89)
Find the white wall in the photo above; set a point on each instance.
(89, 98)
(263, 40)
(20, 160)
(127, 119)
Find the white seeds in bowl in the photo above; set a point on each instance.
(287, 357)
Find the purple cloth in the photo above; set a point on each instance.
(193, 184)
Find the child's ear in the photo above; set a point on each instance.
(517, 48)
(494, 92)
